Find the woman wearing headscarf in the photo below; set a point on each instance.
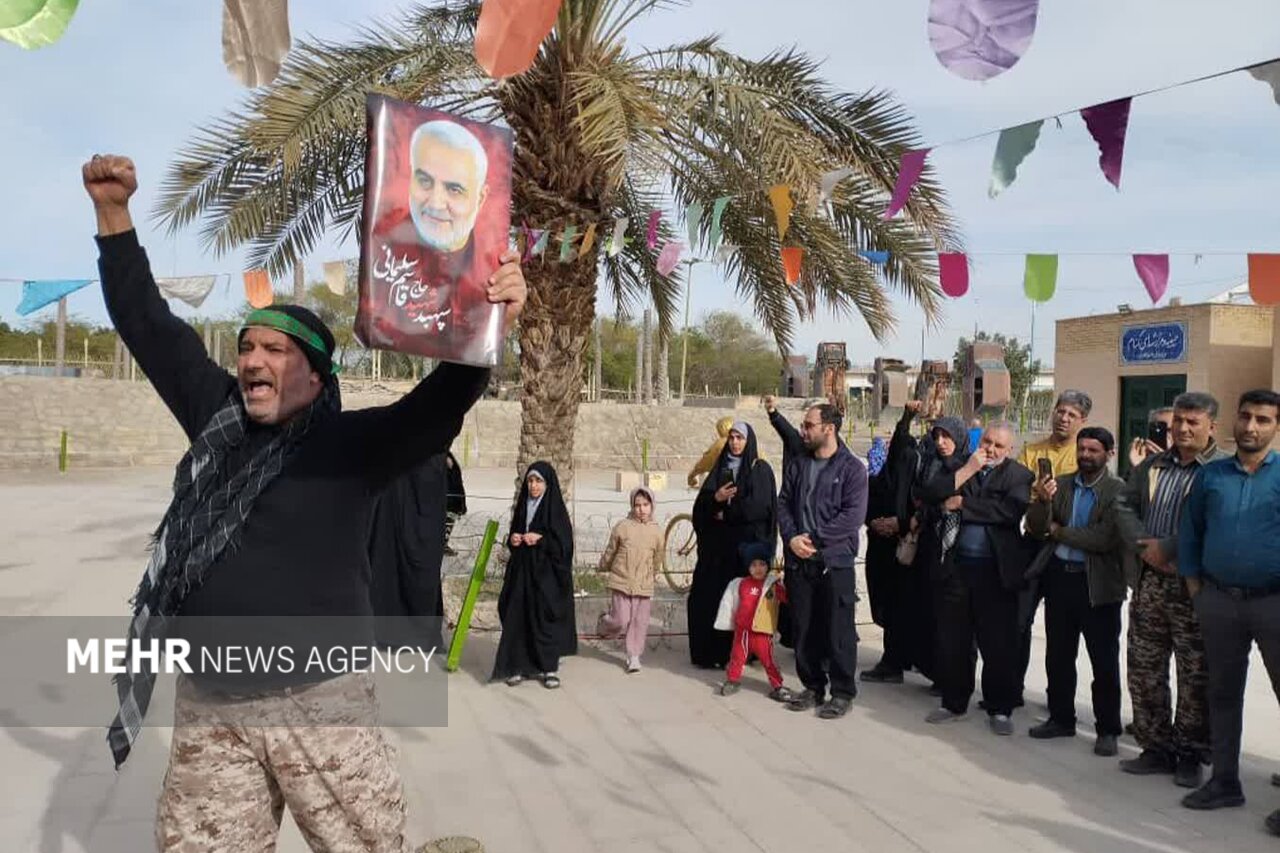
(536, 602)
(738, 503)
(946, 450)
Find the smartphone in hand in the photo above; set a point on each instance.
(1044, 469)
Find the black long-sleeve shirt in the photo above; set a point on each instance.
(301, 566)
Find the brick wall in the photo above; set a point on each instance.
(114, 423)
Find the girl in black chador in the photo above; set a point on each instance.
(536, 603)
(738, 503)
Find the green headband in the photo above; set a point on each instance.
(291, 326)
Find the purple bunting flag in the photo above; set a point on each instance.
(909, 171)
(1154, 272)
(979, 39)
(1108, 123)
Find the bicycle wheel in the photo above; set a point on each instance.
(680, 552)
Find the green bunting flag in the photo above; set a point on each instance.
(1041, 277)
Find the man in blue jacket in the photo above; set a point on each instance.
(1227, 556)
(822, 507)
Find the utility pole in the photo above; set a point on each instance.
(684, 355)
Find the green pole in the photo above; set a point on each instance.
(62, 453)
(466, 450)
(644, 455)
(473, 592)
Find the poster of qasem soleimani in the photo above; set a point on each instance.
(437, 215)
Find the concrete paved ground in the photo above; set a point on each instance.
(649, 762)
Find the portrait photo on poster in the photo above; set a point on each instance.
(437, 218)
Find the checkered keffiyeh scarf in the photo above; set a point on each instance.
(210, 503)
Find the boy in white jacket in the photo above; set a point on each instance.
(749, 609)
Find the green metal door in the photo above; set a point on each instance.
(1139, 396)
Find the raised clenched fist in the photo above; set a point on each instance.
(110, 180)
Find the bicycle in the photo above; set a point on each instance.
(680, 547)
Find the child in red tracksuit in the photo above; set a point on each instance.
(749, 608)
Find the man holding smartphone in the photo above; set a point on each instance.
(1053, 457)
(1157, 439)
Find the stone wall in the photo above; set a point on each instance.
(114, 423)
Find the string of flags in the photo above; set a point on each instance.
(1040, 275)
(1107, 123)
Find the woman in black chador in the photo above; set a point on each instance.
(536, 603)
(737, 503)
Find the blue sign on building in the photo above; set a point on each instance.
(1156, 344)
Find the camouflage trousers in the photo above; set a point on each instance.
(1162, 622)
(234, 765)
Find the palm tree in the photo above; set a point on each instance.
(601, 132)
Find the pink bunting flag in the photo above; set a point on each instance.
(909, 171)
(651, 237)
(953, 273)
(1108, 123)
(669, 258)
(1154, 272)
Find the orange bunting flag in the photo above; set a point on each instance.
(792, 260)
(510, 32)
(257, 288)
(1264, 279)
(588, 241)
(780, 196)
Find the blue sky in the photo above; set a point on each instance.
(1200, 172)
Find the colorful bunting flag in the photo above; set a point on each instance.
(37, 294)
(669, 258)
(566, 243)
(875, 256)
(1108, 123)
(1268, 73)
(588, 241)
(953, 273)
(1264, 279)
(692, 219)
(619, 236)
(780, 198)
(509, 33)
(827, 185)
(335, 276)
(1154, 272)
(979, 39)
(717, 215)
(792, 262)
(651, 235)
(1041, 277)
(909, 170)
(1012, 148)
(540, 245)
(35, 23)
(257, 288)
(192, 290)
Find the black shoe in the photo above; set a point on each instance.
(881, 674)
(1273, 822)
(1189, 773)
(1128, 729)
(806, 700)
(1106, 746)
(1214, 795)
(835, 708)
(1150, 763)
(1275, 779)
(1051, 729)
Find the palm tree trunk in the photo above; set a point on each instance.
(663, 370)
(554, 332)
